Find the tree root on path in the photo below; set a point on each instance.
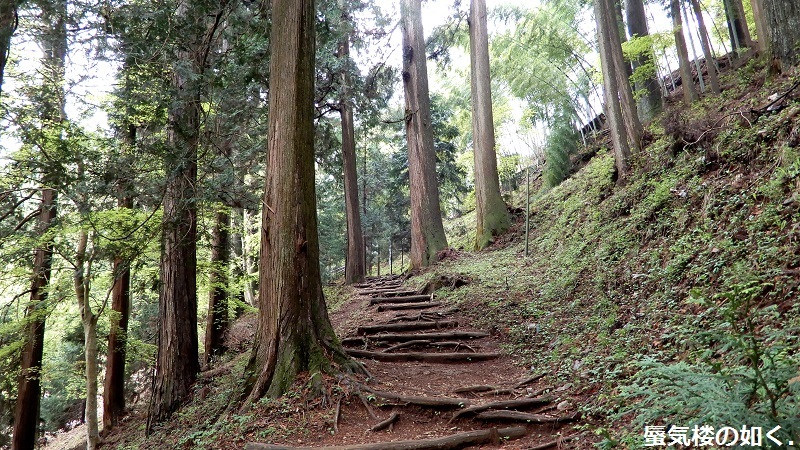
(401, 299)
(504, 404)
(420, 343)
(389, 327)
(386, 423)
(435, 402)
(452, 442)
(407, 306)
(423, 357)
(394, 337)
(483, 389)
(526, 417)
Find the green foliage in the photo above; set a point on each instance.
(561, 144)
(747, 372)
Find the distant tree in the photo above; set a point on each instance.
(491, 214)
(762, 28)
(783, 18)
(687, 81)
(737, 25)
(616, 126)
(650, 103)
(54, 43)
(705, 43)
(355, 269)
(294, 333)
(427, 230)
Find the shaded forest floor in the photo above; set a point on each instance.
(657, 300)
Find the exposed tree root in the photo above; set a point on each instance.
(519, 416)
(386, 423)
(503, 404)
(430, 316)
(394, 337)
(401, 299)
(452, 442)
(455, 344)
(530, 380)
(391, 327)
(483, 389)
(406, 306)
(424, 357)
(435, 402)
(556, 443)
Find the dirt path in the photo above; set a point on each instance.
(434, 376)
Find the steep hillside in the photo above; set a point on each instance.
(666, 298)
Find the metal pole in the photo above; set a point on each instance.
(527, 206)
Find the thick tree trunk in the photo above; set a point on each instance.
(491, 214)
(616, 127)
(427, 231)
(650, 103)
(294, 332)
(218, 319)
(783, 19)
(8, 23)
(630, 117)
(114, 385)
(239, 273)
(705, 43)
(354, 270)
(26, 414)
(177, 363)
(687, 83)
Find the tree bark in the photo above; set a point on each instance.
(218, 319)
(26, 413)
(177, 363)
(783, 19)
(427, 231)
(354, 270)
(8, 23)
(687, 82)
(114, 385)
(705, 43)
(490, 209)
(294, 332)
(649, 104)
(616, 128)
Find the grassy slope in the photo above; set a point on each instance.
(621, 273)
(615, 272)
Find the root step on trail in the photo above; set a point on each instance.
(452, 442)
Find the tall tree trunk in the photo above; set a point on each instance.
(8, 23)
(490, 209)
(689, 92)
(619, 19)
(427, 231)
(650, 103)
(177, 363)
(294, 332)
(783, 18)
(239, 274)
(622, 152)
(705, 43)
(218, 319)
(114, 385)
(630, 117)
(26, 413)
(29, 393)
(354, 269)
(762, 29)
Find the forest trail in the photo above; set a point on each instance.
(436, 382)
